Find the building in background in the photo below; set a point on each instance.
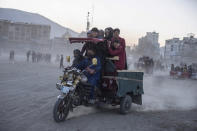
(181, 51)
(148, 46)
(19, 31)
(150, 38)
(173, 50)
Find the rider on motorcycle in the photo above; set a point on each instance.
(92, 66)
(78, 57)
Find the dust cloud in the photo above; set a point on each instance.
(164, 93)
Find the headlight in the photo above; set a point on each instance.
(65, 89)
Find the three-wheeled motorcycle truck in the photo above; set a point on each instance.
(122, 87)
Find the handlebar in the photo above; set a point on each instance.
(75, 69)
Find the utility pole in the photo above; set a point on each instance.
(88, 22)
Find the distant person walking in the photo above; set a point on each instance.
(12, 56)
(28, 55)
(33, 56)
(61, 61)
(39, 56)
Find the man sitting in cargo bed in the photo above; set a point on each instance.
(118, 51)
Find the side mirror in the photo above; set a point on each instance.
(94, 61)
(68, 58)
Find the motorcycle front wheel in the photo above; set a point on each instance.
(60, 110)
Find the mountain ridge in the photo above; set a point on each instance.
(16, 15)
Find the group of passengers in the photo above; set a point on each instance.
(183, 69)
(112, 45)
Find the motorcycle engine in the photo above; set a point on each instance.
(84, 79)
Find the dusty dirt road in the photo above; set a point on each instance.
(28, 93)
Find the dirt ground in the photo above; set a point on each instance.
(28, 93)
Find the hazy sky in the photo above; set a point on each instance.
(171, 18)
